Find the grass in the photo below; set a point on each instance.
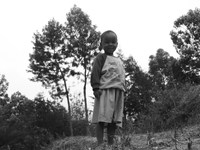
(159, 141)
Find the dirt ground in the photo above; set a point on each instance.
(166, 141)
(158, 141)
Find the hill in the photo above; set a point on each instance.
(157, 141)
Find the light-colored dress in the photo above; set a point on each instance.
(109, 108)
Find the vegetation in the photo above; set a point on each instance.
(157, 141)
(49, 61)
(185, 37)
(166, 98)
(82, 41)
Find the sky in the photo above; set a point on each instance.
(142, 27)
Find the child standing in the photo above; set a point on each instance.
(108, 83)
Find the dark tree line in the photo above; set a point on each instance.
(30, 124)
(33, 124)
(170, 87)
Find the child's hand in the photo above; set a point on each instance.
(97, 93)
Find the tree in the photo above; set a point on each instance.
(138, 92)
(178, 73)
(18, 128)
(51, 116)
(49, 63)
(82, 42)
(185, 37)
(3, 89)
(160, 69)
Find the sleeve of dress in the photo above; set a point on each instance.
(96, 71)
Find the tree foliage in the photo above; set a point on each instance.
(51, 116)
(50, 61)
(31, 124)
(174, 108)
(160, 69)
(185, 37)
(3, 88)
(82, 37)
(58, 49)
(190, 103)
(17, 125)
(138, 92)
(82, 42)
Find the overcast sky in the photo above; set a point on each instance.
(142, 26)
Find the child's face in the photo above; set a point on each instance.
(109, 43)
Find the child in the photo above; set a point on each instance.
(108, 83)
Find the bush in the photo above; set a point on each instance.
(79, 127)
(174, 106)
(27, 124)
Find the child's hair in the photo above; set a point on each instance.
(102, 37)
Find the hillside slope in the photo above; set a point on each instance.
(163, 140)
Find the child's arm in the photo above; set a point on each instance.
(97, 93)
(96, 71)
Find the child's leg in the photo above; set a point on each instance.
(111, 132)
(99, 132)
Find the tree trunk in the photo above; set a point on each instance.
(68, 103)
(67, 96)
(175, 123)
(70, 117)
(85, 100)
